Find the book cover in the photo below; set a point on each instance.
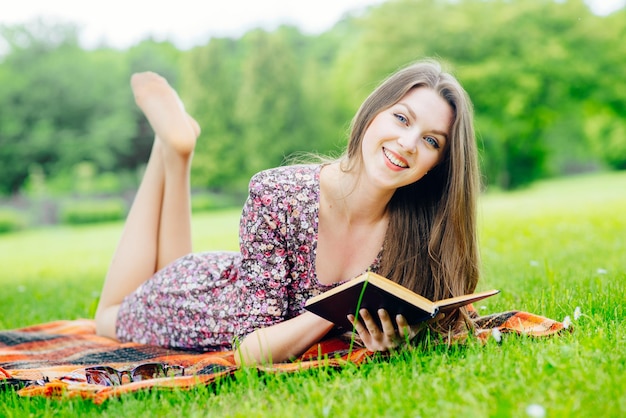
(372, 292)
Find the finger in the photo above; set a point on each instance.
(403, 326)
(370, 324)
(404, 329)
(360, 329)
(356, 324)
(387, 324)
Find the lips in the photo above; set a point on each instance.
(395, 159)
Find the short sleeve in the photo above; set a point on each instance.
(265, 255)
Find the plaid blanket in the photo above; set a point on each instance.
(50, 359)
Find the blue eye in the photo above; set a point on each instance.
(401, 118)
(432, 141)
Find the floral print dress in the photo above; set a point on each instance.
(209, 300)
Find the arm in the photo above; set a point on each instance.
(270, 326)
(289, 339)
(283, 341)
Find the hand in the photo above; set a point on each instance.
(390, 336)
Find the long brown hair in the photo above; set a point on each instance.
(431, 241)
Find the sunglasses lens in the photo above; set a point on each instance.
(155, 370)
(106, 376)
(147, 371)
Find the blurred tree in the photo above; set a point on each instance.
(545, 77)
(604, 101)
(269, 103)
(528, 67)
(62, 106)
(211, 77)
(59, 104)
(247, 97)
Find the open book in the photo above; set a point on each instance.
(372, 292)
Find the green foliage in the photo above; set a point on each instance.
(545, 77)
(11, 220)
(528, 67)
(268, 105)
(92, 211)
(205, 202)
(606, 132)
(63, 106)
(81, 180)
(53, 112)
(550, 248)
(211, 76)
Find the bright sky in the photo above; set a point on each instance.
(122, 23)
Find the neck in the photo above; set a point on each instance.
(355, 201)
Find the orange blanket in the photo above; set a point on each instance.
(49, 359)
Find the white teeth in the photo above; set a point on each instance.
(394, 160)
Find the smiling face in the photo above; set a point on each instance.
(406, 140)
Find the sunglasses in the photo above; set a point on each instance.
(108, 376)
(17, 384)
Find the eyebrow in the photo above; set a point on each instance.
(414, 117)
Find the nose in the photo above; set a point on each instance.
(408, 141)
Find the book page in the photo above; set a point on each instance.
(447, 305)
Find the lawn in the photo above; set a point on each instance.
(551, 248)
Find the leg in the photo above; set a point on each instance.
(158, 226)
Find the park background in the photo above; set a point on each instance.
(546, 79)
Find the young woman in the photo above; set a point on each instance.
(400, 202)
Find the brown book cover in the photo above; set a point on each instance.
(372, 292)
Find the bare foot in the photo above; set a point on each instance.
(165, 112)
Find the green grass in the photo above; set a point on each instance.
(550, 248)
